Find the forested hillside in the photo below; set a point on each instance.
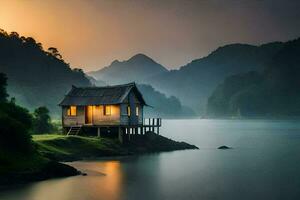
(162, 106)
(193, 83)
(274, 92)
(36, 77)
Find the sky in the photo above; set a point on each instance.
(91, 34)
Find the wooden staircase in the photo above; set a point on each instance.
(74, 130)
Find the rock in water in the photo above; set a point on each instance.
(224, 147)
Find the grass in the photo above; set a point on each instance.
(61, 147)
(67, 148)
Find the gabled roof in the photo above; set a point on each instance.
(100, 95)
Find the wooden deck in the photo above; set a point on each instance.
(149, 124)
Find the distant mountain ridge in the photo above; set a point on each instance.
(137, 68)
(194, 82)
(274, 92)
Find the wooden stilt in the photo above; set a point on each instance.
(157, 123)
(129, 132)
(153, 124)
(98, 132)
(142, 131)
(120, 134)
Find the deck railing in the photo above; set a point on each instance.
(150, 124)
(156, 122)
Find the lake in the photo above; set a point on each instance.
(263, 164)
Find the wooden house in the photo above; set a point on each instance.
(109, 108)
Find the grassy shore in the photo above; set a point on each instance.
(68, 148)
(44, 162)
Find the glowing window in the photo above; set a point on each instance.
(137, 111)
(128, 110)
(107, 110)
(72, 111)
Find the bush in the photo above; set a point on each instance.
(42, 121)
(15, 123)
(14, 135)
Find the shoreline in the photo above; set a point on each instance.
(65, 149)
(59, 150)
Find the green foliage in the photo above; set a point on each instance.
(42, 120)
(14, 135)
(274, 93)
(36, 77)
(16, 112)
(61, 147)
(224, 100)
(15, 123)
(3, 84)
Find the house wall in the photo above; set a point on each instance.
(131, 101)
(118, 115)
(124, 119)
(100, 119)
(79, 119)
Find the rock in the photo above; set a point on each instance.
(224, 147)
(83, 174)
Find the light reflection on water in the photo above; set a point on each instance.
(264, 164)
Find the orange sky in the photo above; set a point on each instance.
(91, 34)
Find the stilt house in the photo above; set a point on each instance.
(106, 109)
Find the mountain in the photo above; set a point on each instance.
(273, 92)
(159, 105)
(194, 82)
(137, 68)
(162, 106)
(36, 77)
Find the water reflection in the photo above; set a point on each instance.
(264, 164)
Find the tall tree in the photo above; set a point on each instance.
(42, 120)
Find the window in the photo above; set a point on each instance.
(107, 110)
(72, 111)
(128, 111)
(137, 111)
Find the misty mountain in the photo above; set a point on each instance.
(159, 105)
(162, 106)
(41, 78)
(36, 77)
(137, 68)
(194, 82)
(273, 92)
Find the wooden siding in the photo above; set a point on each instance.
(118, 114)
(79, 119)
(100, 119)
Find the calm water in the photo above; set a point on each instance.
(264, 164)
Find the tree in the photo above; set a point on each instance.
(42, 120)
(3, 84)
(15, 123)
(54, 52)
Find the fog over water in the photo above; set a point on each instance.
(263, 164)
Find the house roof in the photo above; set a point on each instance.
(100, 95)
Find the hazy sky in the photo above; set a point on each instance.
(91, 34)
